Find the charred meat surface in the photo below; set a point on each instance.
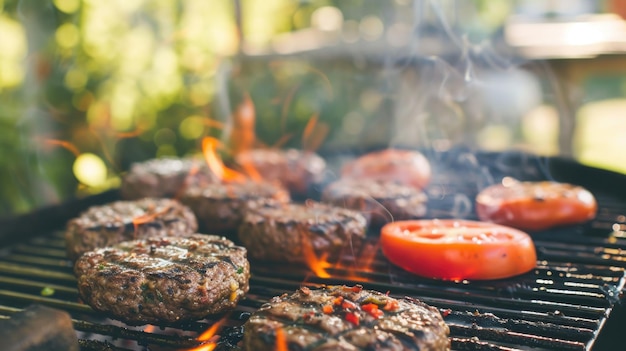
(379, 201)
(284, 233)
(345, 318)
(406, 167)
(220, 207)
(163, 177)
(106, 225)
(295, 169)
(164, 279)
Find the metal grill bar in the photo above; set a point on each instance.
(561, 305)
(555, 318)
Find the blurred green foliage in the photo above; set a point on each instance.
(127, 80)
(87, 87)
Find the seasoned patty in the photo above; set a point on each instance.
(164, 279)
(163, 177)
(284, 233)
(379, 201)
(297, 170)
(220, 207)
(345, 318)
(106, 225)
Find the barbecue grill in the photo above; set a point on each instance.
(569, 302)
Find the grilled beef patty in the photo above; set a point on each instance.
(345, 318)
(164, 279)
(105, 225)
(297, 170)
(163, 177)
(379, 201)
(220, 207)
(283, 233)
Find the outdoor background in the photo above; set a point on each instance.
(87, 87)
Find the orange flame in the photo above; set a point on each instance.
(148, 217)
(131, 134)
(211, 123)
(281, 340)
(361, 264)
(350, 270)
(243, 135)
(193, 170)
(64, 144)
(149, 328)
(310, 126)
(318, 265)
(209, 337)
(314, 133)
(368, 254)
(282, 141)
(209, 149)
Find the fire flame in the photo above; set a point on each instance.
(223, 173)
(320, 265)
(131, 134)
(209, 337)
(314, 133)
(243, 135)
(148, 217)
(193, 170)
(64, 144)
(281, 340)
(360, 264)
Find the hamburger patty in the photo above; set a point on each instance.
(283, 233)
(345, 318)
(297, 170)
(220, 207)
(163, 177)
(379, 201)
(164, 279)
(106, 225)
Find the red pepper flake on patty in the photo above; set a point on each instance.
(391, 305)
(352, 318)
(373, 310)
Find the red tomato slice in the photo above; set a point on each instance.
(458, 249)
(535, 205)
(406, 167)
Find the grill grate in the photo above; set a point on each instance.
(561, 305)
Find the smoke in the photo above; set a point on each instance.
(449, 88)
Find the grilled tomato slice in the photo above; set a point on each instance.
(406, 167)
(458, 249)
(535, 205)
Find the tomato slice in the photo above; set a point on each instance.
(458, 249)
(535, 205)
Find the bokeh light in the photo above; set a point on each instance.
(67, 36)
(90, 170)
(192, 127)
(67, 6)
(130, 80)
(327, 18)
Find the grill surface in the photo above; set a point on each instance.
(561, 305)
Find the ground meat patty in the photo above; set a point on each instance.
(345, 318)
(297, 170)
(163, 177)
(220, 207)
(106, 225)
(283, 233)
(379, 201)
(164, 279)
